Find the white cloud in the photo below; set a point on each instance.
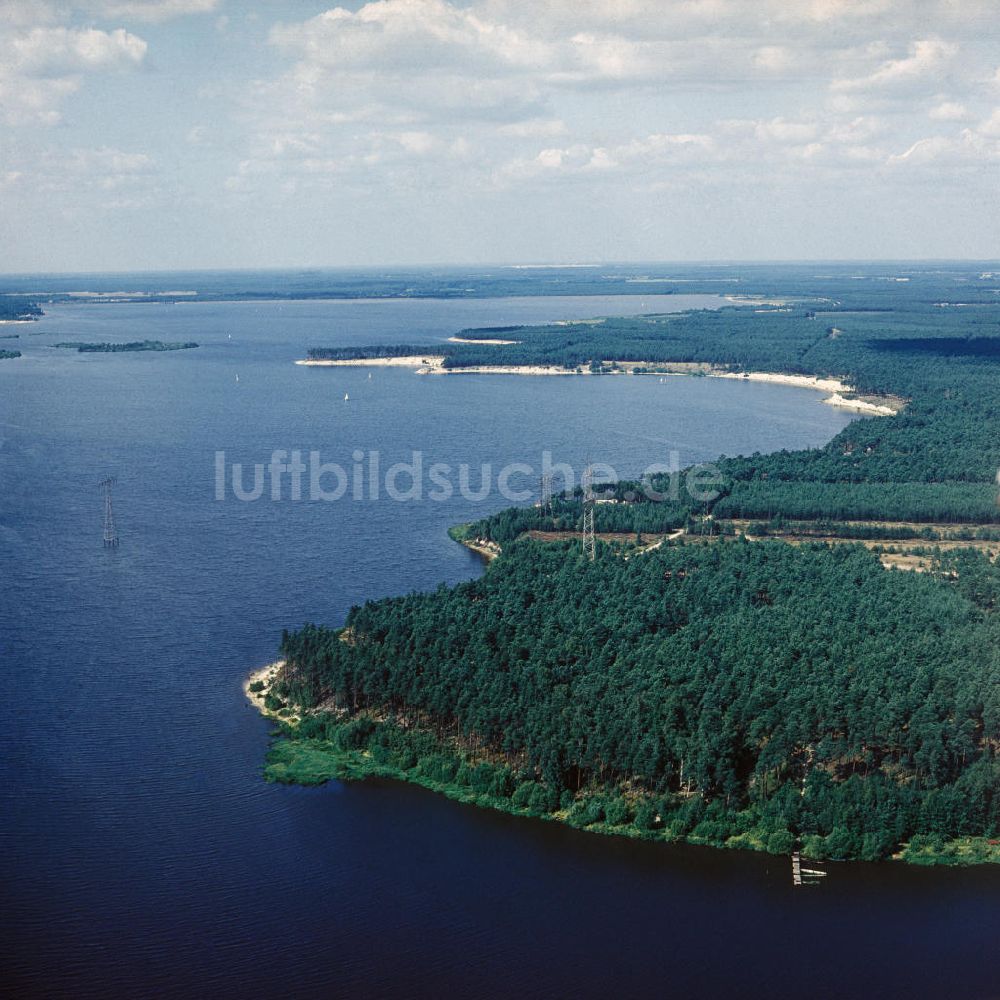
(108, 176)
(927, 60)
(41, 67)
(534, 128)
(400, 35)
(780, 130)
(970, 148)
(991, 127)
(658, 151)
(60, 51)
(949, 111)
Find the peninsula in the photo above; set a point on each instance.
(808, 658)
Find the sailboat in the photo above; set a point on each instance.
(346, 397)
(237, 378)
(369, 374)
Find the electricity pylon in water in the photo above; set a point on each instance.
(110, 532)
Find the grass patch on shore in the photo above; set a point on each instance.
(325, 747)
(929, 850)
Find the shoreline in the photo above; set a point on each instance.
(313, 760)
(265, 675)
(840, 394)
(398, 361)
(488, 550)
(485, 340)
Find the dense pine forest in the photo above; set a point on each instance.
(724, 687)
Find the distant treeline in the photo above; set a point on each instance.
(18, 308)
(133, 345)
(374, 351)
(488, 332)
(965, 502)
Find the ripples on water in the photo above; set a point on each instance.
(142, 854)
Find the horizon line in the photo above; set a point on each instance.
(520, 265)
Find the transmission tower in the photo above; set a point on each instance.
(110, 532)
(589, 538)
(545, 503)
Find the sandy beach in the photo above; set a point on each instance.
(267, 674)
(861, 405)
(840, 394)
(412, 361)
(488, 550)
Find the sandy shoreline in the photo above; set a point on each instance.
(488, 550)
(862, 405)
(840, 394)
(401, 361)
(472, 340)
(268, 673)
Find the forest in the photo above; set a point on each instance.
(15, 307)
(750, 690)
(132, 345)
(716, 689)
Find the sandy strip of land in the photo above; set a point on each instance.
(800, 381)
(840, 393)
(473, 340)
(501, 370)
(753, 300)
(403, 361)
(862, 405)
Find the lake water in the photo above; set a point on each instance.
(141, 853)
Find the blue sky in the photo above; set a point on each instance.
(157, 134)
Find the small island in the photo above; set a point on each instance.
(5, 355)
(134, 345)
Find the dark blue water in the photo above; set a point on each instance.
(141, 854)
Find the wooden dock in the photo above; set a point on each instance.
(798, 872)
